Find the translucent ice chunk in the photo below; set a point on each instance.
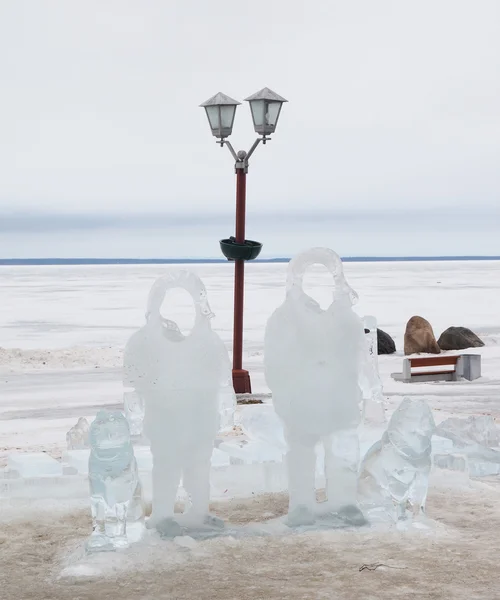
(395, 471)
(452, 462)
(260, 422)
(371, 384)
(185, 381)
(144, 458)
(478, 468)
(313, 360)
(219, 458)
(133, 407)
(77, 437)
(227, 403)
(252, 452)
(473, 430)
(78, 460)
(36, 464)
(115, 489)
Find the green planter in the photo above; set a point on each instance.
(249, 250)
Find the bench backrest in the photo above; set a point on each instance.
(434, 361)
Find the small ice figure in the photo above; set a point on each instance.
(312, 360)
(133, 407)
(115, 489)
(77, 437)
(371, 384)
(395, 471)
(185, 383)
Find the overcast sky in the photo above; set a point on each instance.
(394, 106)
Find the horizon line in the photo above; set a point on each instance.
(152, 261)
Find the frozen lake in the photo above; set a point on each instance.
(62, 331)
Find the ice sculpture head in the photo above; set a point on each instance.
(185, 280)
(109, 434)
(329, 259)
(411, 428)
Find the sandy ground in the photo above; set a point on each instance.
(458, 560)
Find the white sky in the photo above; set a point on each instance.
(392, 104)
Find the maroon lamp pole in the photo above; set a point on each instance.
(221, 109)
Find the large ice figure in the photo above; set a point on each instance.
(185, 381)
(77, 437)
(115, 489)
(395, 471)
(313, 359)
(371, 384)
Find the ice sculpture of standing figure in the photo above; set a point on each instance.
(185, 381)
(395, 471)
(115, 489)
(313, 359)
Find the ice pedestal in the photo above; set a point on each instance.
(34, 465)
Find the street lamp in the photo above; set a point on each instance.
(265, 107)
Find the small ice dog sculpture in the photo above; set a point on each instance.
(395, 471)
(115, 489)
(77, 437)
(186, 384)
(312, 360)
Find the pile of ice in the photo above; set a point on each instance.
(475, 445)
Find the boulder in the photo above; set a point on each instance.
(385, 343)
(419, 337)
(459, 338)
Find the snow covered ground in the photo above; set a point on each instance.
(62, 331)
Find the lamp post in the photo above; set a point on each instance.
(265, 106)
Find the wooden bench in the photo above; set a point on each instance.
(444, 368)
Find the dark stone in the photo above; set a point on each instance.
(459, 338)
(386, 344)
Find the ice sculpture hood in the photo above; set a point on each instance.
(319, 256)
(180, 279)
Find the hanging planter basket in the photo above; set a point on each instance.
(249, 250)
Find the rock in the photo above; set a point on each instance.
(419, 337)
(385, 343)
(459, 338)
